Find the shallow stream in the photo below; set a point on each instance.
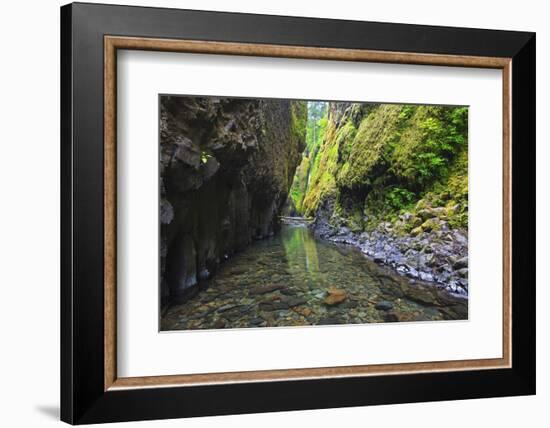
(288, 280)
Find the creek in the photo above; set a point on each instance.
(294, 279)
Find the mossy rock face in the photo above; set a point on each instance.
(417, 231)
(368, 147)
(415, 222)
(432, 224)
(380, 161)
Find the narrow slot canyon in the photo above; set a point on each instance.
(291, 213)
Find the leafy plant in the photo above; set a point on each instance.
(205, 156)
(400, 198)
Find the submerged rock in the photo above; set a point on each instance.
(344, 272)
(296, 301)
(384, 305)
(335, 296)
(264, 289)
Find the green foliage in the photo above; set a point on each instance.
(367, 152)
(429, 145)
(399, 198)
(316, 124)
(379, 160)
(443, 134)
(386, 158)
(299, 185)
(205, 156)
(344, 138)
(406, 112)
(314, 127)
(322, 173)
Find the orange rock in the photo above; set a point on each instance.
(306, 312)
(333, 291)
(334, 299)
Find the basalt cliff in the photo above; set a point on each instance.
(226, 167)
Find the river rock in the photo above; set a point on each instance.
(306, 312)
(220, 323)
(390, 317)
(226, 307)
(296, 301)
(422, 295)
(401, 316)
(256, 321)
(264, 289)
(461, 263)
(349, 304)
(335, 296)
(273, 306)
(329, 321)
(384, 305)
(431, 224)
(425, 214)
(417, 231)
(463, 272)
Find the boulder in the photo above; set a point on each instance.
(461, 263)
(335, 296)
(417, 231)
(431, 224)
(384, 305)
(264, 289)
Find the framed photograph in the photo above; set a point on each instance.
(265, 213)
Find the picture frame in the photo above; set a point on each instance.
(91, 35)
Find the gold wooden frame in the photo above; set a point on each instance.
(113, 43)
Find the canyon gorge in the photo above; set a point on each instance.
(288, 212)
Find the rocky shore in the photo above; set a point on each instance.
(432, 252)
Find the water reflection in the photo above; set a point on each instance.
(300, 249)
(285, 281)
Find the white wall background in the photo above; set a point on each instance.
(29, 226)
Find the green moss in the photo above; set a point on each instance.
(429, 144)
(299, 185)
(378, 161)
(322, 180)
(368, 147)
(314, 127)
(299, 121)
(344, 139)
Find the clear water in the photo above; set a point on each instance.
(285, 281)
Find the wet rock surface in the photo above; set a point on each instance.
(287, 279)
(432, 252)
(226, 165)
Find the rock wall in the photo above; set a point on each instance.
(226, 166)
(393, 181)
